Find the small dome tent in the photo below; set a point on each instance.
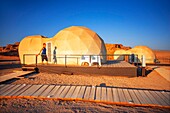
(143, 50)
(118, 54)
(31, 45)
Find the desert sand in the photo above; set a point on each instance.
(163, 56)
(57, 106)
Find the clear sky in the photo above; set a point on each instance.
(129, 22)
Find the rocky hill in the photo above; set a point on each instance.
(111, 48)
(10, 49)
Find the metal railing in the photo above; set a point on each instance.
(29, 55)
(121, 57)
(131, 58)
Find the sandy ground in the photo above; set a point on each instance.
(163, 56)
(152, 81)
(56, 106)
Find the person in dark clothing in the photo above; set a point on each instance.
(43, 53)
(54, 55)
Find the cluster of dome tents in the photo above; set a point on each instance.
(74, 42)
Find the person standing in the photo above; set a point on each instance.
(54, 55)
(43, 53)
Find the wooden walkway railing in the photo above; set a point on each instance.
(109, 95)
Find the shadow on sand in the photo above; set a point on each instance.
(30, 76)
(147, 71)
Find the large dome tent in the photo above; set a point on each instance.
(78, 40)
(74, 40)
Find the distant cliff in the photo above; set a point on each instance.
(10, 49)
(111, 48)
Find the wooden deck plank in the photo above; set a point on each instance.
(64, 92)
(163, 98)
(166, 94)
(47, 91)
(76, 91)
(109, 95)
(10, 90)
(16, 90)
(133, 96)
(70, 92)
(22, 90)
(57, 93)
(81, 92)
(103, 94)
(151, 97)
(127, 96)
(6, 89)
(40, 90)
(147, 99)
(87, 93)
(92, 93)
(115, 95)
(31, 90)
(98, 93)
(13, 75)
(157, 98)
(1, 86)
(53, 91)
(121, 95)
(140, 98)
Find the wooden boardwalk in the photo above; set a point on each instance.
(109, 95)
